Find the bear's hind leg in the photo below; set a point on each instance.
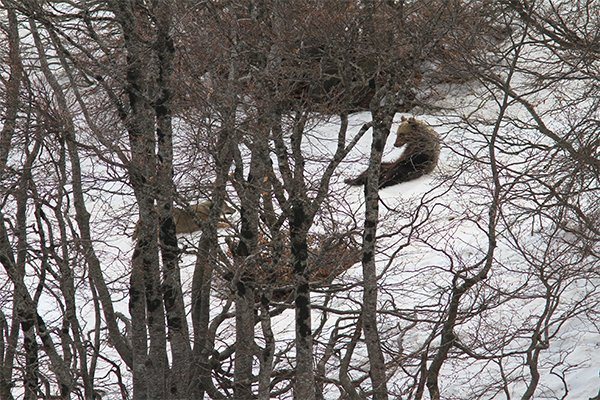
(358, 181)
(362, 178)
(405, 170)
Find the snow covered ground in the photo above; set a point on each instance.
(453, 236)
(541, 293)
(521, 295)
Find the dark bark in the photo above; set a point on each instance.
(178, 331)
(381, 128)
(244, 343)
(26, 307)
(300, 211)
(145, 288)
(13, 85)
(9, 334)
(203, 336)
(201, 285)
(304, 387)
(9, 338)
(249, 191)
(344, 377)
(83, 239)
(267, 354)
(244, 291)
(67, 284)
(300, 219)
(206, 260)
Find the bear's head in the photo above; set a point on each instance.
(406, 131)
(413, 132)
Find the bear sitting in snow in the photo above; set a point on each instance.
(419, 158)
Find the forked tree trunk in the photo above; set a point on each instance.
(12, 88)
(178, 331)
(249, 192)
(150, 367)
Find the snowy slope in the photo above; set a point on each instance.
(454, 236)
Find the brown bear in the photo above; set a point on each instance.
(419, 158)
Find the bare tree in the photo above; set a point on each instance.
(116, 112)
(11, 91)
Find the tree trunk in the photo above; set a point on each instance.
(203, 337)
(249, 192)
(267, 355)
(8, 348)
(244, 343)
(201, 283)
(381, 128)
(304, 387)
(178, 332)
(150, 369)
(13, 85)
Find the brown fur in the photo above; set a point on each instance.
(419, 158)
(190, 219)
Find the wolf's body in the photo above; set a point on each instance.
(190, 219)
